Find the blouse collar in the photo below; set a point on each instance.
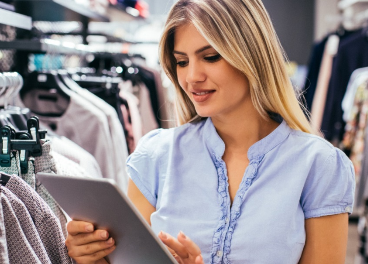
(257, 150)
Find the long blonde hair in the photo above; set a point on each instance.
(242, 33)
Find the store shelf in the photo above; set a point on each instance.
(121, 13)
(53, 10)
(6, 6)
(84, 11)
(14, 19)
(343, 4)
(46, 46)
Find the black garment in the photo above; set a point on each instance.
(313, 72)
(352, 54)
(148, 78)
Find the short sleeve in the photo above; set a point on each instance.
(330, 186)
(142, 165)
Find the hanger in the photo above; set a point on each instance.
(44, 90)
(48, 81)
(4, 178)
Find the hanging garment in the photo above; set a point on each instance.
(28, 228)
(146, 112)
(19, 249)
(352, 55)
(354, 136)
(164, 107)
(133, 103)
(128, 127)
(83, 124)
(362, 186)
(358, 77)
(147, 78)
(30, 179)
(46, 223)
(120, 150)
(4, 258)
(75, 153)
(324, 77)
(313, 72)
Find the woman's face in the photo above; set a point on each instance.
(216, 88)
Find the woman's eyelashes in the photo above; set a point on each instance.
(182, 63)
(210, 59)
(213, 58)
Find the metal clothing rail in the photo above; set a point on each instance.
(47, 46)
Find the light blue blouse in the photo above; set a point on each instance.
(292, 176)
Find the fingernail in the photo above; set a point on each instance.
(110, 241)
(89, 228)
(163, 235)
(182, 235)
(104, 234)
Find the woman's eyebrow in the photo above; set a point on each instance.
(196, 52)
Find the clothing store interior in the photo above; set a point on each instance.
(81, 84)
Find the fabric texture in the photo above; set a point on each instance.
(19, 249)
(4, 258)
(46, 164)
(28, 228)
(75, 153)
(292, 176)
(44, 219)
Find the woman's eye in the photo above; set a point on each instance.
(182, 63)
(213, 58)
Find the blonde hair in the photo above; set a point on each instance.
(242, 33)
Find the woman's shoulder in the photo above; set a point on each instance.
(161, 140)
(315, 148)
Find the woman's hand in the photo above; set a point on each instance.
(86, 245)
(184, 250)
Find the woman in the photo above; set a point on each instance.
(243, 177)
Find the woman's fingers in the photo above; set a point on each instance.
(174, 244)
(77, 227)
(199, 260)
(92, 248)
(98, 235)
(97, 256)
(189, 245)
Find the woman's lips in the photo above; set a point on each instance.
(201, 97)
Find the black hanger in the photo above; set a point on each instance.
(4, 178)
(45, 80)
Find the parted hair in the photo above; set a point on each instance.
(242, 33)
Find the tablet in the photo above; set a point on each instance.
(102, 203)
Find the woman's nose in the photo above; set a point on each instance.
(195, 73)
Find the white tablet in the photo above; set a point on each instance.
(101, 202)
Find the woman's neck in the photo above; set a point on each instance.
(239, 132)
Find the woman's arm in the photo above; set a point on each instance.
(140, 202)
(326, 240)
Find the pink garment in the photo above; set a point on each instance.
(319, 99)
(129, 136)
(135, 115)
